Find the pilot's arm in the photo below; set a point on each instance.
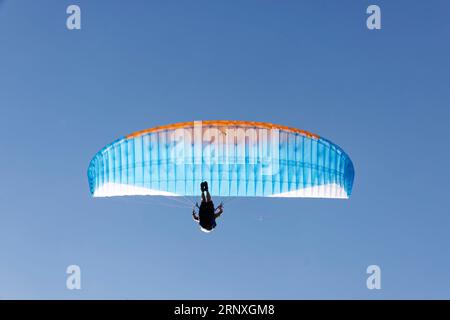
(194, 216)
(219, 211)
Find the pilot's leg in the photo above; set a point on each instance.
(203, 197)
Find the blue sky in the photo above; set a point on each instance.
(383, 96)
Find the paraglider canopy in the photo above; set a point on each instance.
(237, 158)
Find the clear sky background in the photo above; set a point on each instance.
(383, 96)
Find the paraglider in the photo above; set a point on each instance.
(207, 213)
(236, 158)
